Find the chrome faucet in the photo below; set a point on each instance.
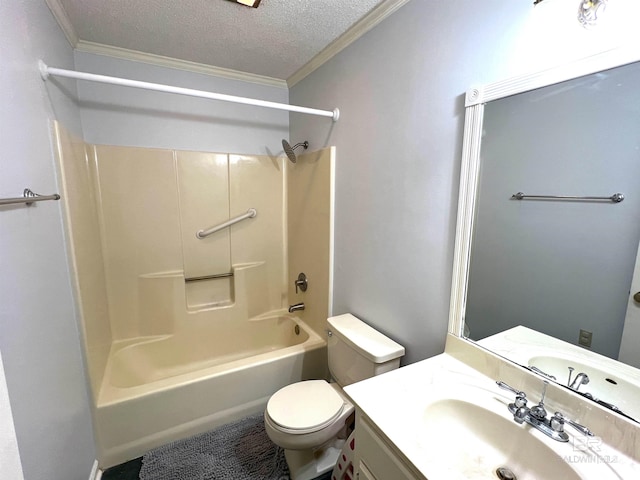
(295, 307)
(536, 416)
(538, 411)
(558, 421)
(540, 372)
(581, 379)
(519, 406)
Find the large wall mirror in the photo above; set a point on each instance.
(547, 246)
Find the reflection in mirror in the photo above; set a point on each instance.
(561, 268)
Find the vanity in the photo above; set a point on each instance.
(444, 419)
(540, 378)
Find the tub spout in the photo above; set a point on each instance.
(295, 307)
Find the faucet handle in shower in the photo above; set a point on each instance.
(302, 283)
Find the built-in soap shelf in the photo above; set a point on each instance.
(167, 297)
(206, 292)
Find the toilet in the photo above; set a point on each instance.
(311, 419)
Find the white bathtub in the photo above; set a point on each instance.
(162, 389)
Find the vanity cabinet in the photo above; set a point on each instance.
(376, 458)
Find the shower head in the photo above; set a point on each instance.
(289, 150)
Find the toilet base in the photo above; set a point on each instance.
(310, 464)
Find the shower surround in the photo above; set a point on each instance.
(170, 354)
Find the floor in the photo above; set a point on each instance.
(131, 470)
(125, 471)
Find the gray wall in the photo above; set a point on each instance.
(558, 266)
(39, 337)
(10, 466)
(114, 115)
(400, 92)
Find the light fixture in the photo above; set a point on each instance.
(589, 10)
(248, 3)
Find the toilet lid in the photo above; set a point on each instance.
(305, 406)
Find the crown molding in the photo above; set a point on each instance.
(65, 24)
(169, 62)
(373, 18)
(60, 14)
(366, 23)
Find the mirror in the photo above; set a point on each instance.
(549, 227)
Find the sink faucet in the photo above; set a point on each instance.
(295, 307)
(537, 416)
(540, 372)
(560, 419)
(539, 412)
(581, 379)
(519, 406)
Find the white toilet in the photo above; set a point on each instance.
(310, 419)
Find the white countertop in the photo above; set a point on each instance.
(610, 380)
(519, 344)
(396, 403)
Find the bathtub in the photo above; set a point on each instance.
(160, 389)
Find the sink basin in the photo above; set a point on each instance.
(449, 422)
(464, 440)
(606, 386)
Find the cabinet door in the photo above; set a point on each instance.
(377, 461)
(364, 473)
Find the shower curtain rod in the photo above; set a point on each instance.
(46, 71)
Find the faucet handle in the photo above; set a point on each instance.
(301, 283)
(557, 422)
(519, 405)
(505, 386)
(535, 369)
(562, 420)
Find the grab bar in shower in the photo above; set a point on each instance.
(209, 277)
(615, 198)
(28, 197)
(205, 233)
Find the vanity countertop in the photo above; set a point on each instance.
(518, 344)
(395, 402)
(608, 380)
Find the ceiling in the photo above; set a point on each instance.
(274, 40)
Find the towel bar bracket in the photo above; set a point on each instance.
(28, 197)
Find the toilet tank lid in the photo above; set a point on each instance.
(371, 343)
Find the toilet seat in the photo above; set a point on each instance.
(305, 407)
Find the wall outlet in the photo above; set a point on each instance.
(585, 338)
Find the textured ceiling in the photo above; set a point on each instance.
(275, 39)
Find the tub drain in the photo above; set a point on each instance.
(504, 473)
(297, 329)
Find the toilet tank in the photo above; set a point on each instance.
(356, 351)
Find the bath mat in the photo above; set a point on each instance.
(237, 451)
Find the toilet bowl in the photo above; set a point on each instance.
(306, 414)
(312, 419)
